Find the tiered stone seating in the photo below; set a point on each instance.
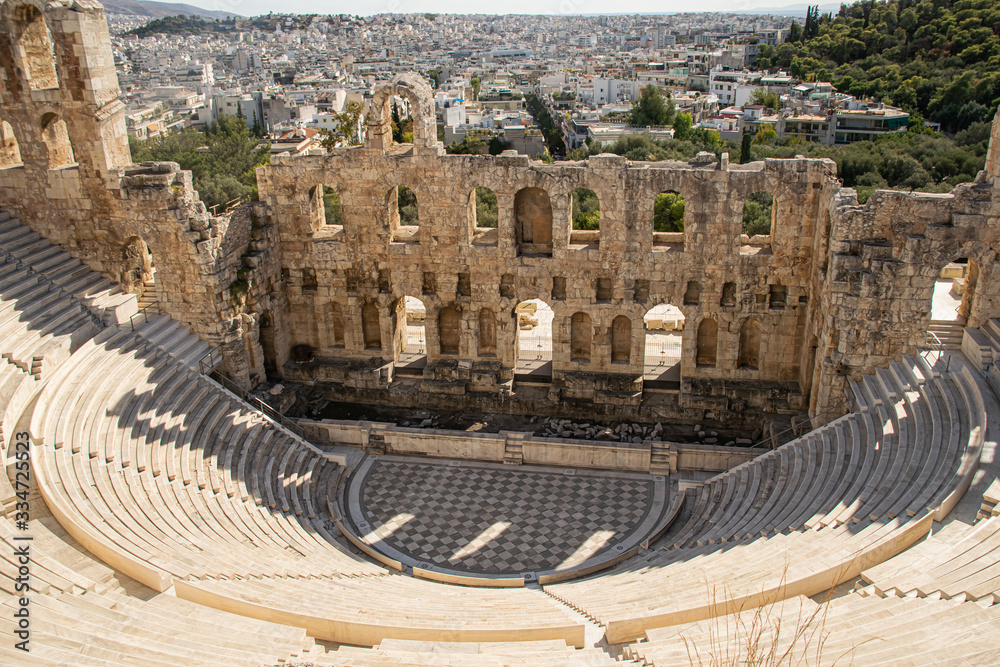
(62, 274)
(80, 615)
(811, 514)
(174, 481)
(396, 652)
(854, 629)
(960, 562)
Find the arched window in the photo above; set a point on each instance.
(533, 222)
(449, 329)
(37, 60)
(758, 214)
(708, 342)
(370, 326)
(487, 332)
(406, 204)
(749, 356)
(581, 335)
(621, 339)
(10, 152)
(56, 138)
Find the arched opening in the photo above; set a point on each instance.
(406, 204)
(586, 221)
(758, 217)
(668, 220)
(534, 341)
(266, 338)
(533, 222)
(708, 342)
(954, 293)
(324, 206)
(413, 321)
(581, 337)
(35, 40)
(749, 355)
(10, 152)
(621, 340)
(662, 360)
(137, 271)
(56, 139)
(484, 214)
(449, 330)
(371, 328)
(487, 333)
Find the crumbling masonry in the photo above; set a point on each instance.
(772, 324)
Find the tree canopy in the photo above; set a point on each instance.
(651, 109)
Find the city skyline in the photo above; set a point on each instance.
(529, 7)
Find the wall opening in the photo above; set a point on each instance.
(728, 295)
(758, 218)
(668, 220)
(586, 219)
(449, 330)
(487, 333)
(692, 295)
(533, 222)
(266, 338)
(662, 349)
(413, 320)
(708, 342)
(749, 356)
(406, 203)
(484, 215)
(621, 340)
(952, 302)
(56, 139)
(534, 341)
(371, 327)
(137, 266)
(35, 42)
(581, 337)
(328, 205)
(10, 151)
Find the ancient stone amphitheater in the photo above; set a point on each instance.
(155, 513)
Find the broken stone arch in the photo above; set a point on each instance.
(421, 98)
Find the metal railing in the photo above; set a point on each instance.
(773, 437)
(143, 312)
(208, 364)
(934, 343)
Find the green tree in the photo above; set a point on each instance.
(406, 203)
(682, 126)
(650, 109)
(668, 212)
(345, 127)
(757, 213)
(586, 209)
(487, 209)
(331, 206)
(476, 87)
(765, 135)
(497, 146)
(745, 148)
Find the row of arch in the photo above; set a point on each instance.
(581, 339)
(55, 137)
(533, 214)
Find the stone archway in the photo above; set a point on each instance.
(421, 98)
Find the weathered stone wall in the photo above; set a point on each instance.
(75, 184)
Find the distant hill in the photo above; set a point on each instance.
(158, 10)
(798, 10)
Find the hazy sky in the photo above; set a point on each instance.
(367, 7)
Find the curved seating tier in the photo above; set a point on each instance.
(172, 480)
(80, 615)
(960, 562)
(809, 515)
(853, 629)
(398, 652)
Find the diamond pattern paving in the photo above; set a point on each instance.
(486, 519)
